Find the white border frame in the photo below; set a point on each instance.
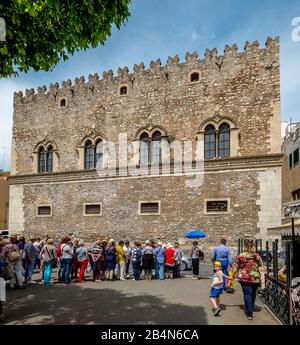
(95, 214)
(146, 202)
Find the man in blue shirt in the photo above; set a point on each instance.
(222, 254)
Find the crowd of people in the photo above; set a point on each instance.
(109, 260)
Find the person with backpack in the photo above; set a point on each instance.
(159, 260)
(197, 255)
(12, 257)
(30, 254)
(136, 260)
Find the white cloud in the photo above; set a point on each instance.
(195, 36)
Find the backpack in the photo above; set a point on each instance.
(59, 250)
(13, 254)
(138, 254)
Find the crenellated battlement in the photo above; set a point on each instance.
(211, 58)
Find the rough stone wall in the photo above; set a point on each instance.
(240, 85)
(181, 207)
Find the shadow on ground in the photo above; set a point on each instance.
(73, 304)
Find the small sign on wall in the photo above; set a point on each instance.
(291, 210)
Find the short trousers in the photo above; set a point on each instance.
(215, 292)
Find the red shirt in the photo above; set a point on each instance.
(169, 253)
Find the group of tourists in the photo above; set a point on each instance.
(109, 260)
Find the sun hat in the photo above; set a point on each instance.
(218, 263)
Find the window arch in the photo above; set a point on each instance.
(93, 154)
(99, 154)
(209, 142)
(194, 77)
(63, 102)
(45, 159)
(224, 140)
(50, 159)
(144, 148)
(123, 90)
(150, 148)
(156, 148)
(89, 155)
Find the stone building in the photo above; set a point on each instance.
(4, 200)
(229, 105)
(291, 164)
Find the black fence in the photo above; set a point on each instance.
(280, 290)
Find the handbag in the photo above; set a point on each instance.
(8, 274)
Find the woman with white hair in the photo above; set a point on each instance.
(148, 259)
(110, 255)
(82, 259)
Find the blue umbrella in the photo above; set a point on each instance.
(195, 234)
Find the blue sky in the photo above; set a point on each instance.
(162, 28)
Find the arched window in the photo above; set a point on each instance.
(194, 77)
(45, 159)
(155, 148)
(224, 140)
(50, 159)
(62, 103)
(89, 155)
(42, 160)
(144, 149)
(209, 142)
(123, 90)
(99, 154)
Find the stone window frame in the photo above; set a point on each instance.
(127, 90)
(217, 213)
(92, 203)
(146, 202)
(149, 130)
(234, 133)
(46, 143)
(59, 102)
(43, 215)
(94, 137)
(190, 75)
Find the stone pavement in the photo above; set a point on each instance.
(173, 302)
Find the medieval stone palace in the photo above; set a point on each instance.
(228, 105)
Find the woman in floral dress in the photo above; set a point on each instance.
(247, 265)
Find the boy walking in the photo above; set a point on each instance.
(217, 287)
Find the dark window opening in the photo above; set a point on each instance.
(296, 157)
(93, 209)
(224, 140)
(123, 90)
(42, 160)
(296, 195)
(63, 102)
(44, 210)
(195, 77)
(89, 155)
(209, 142)
(149, 207)
(150, 148)
(217, 206)
(290, 160)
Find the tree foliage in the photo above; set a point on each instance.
(42, 32)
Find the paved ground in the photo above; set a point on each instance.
(172, 302)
